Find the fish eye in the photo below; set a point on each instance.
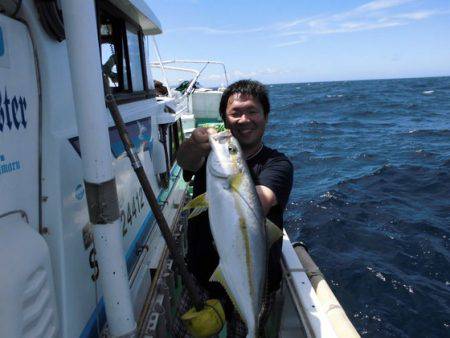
(232, 149)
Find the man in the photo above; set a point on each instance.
(244, 108)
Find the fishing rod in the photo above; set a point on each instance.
(150, 195)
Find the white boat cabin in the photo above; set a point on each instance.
(48, 284)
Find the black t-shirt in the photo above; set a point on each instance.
(269, 168)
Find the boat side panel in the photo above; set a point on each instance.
(79, 294)
(153, 247)
(64, 203)
(19, 122)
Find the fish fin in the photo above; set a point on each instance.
(274, 233)
(217, 276)
(235, 181)
(197, 211)
(199, 204)
(199, 201)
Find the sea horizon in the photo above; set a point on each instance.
(360, 80)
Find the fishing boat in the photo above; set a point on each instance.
(81, 252)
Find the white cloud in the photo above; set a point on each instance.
(373, 15)
(380, 4)
(291, 43)
(261, 73)
(215, 78)
(209, 30)
(418, 15)
(347, 27)
(379, 14)
(360, 18)
(289, 24)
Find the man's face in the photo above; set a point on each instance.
(245, 118)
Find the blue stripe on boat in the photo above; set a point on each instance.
(90, 330)
(2, 45)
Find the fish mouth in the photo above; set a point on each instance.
(221, 137)
(221, 141)
(224, 161)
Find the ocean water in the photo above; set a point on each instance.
(371, 195)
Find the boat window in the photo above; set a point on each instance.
(173, 147)
(180, 132)
(114, 63)
(122, 54)
(124, 72)
(175, 140)
(135, 58)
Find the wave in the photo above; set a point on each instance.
(326, 125)
(411, 106)
(334, 96)
(404, 185)
(365, 156)
(364, 113)
(428, 132)
(424, 153)
(322, 159)
(313, 100)
(428, 92)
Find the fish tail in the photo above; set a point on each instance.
(255, 333)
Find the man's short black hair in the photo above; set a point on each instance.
(246, 87)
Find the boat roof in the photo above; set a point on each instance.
(140, 12)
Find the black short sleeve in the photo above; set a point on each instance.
(277, 175)
(269, 168)
(274, 170)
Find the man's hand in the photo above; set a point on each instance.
(192, 152)
(200, 139)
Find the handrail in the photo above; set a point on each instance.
(196, 72)
(191, 84)
(199, 61)
(163, 66)
(188, 70)
(305, 300)
(155, 45)
(330, 305)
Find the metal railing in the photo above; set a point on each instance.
(164, 65)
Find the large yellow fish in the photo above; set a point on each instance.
(241, 233)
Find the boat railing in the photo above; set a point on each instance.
(163, 65)
(180, 100)
(168, 65)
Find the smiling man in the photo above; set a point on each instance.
(244, 108)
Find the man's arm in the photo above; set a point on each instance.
(267, 198)
(274, 183)
(192, 152)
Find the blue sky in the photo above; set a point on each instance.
(302, 41)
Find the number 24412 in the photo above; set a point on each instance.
(131, 210)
